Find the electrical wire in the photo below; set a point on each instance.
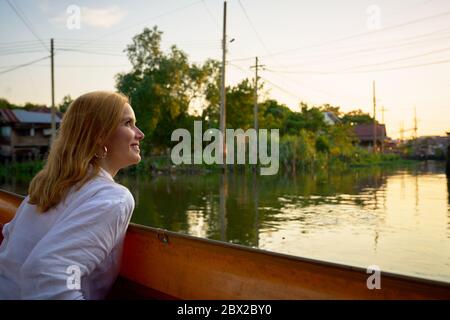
(27, 23)
(24, 65)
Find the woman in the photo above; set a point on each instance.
(65, 240)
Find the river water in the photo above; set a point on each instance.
(395, 218)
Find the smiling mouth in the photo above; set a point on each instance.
(135, 147)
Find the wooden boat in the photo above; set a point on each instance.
(159, 264)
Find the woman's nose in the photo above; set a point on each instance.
(140, 134)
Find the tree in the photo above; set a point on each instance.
(65, 103)
(273, 115)
(4, 104)
(327, 107)
(34, 107)
(162, 86)
(240, 105)
(310, 119)
(357, 117)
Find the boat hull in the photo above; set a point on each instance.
(159, 264)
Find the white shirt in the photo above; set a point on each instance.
(72, 251)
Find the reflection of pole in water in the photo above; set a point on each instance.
(417, 193)
(256, 204)
(376, 239)
(447, 165)
(375, 198)
(448, 191)
(402, 186)
(223, 206)
(448, 207)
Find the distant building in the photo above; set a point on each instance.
(365, 135)
(25, 134)
(330, 118)
(430, 147)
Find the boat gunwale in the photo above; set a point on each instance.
(284, 256)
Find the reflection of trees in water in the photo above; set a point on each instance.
(233, 208)
(250, 201)
(323, 188)
(164, 201)
(16, 185)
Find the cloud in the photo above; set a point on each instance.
(103, 18)
(99, 17)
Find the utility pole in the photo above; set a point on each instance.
(383, 133)
(402, 132)
(223, 109)
(255, 109)
(374, 119)
(53, 93)
(415, 123)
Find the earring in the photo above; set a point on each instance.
(105, 151)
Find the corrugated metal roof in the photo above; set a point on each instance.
(8, 116)
(365, 131)
(23, 116)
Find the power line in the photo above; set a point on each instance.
(282, 89)
(358, 35)
(24, 65)
(91, 52)
(19, 42)
(74, 66)
(139, 23)
(211, 15)
(273, 84)
(253, 27)
(26, 22)
(344, 55)
(362, 71)
(401, 59)
(19, 46)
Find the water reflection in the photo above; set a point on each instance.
(398, 219)
(223, 206)
(392, 218)
(448, 188)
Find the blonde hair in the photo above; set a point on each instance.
(89, 121)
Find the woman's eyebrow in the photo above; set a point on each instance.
(128, 118)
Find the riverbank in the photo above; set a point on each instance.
(161, 165)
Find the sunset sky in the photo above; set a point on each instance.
(313, 51)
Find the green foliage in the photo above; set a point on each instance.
(322, 144)
(33, 106)
(327, 107)
(310, 119)
(298, 151)
(240, 105)
(21, 170)
(357, 117)
(65, 103)
(168, 92)
(4, 104)
(273, 115)
(162, 86)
